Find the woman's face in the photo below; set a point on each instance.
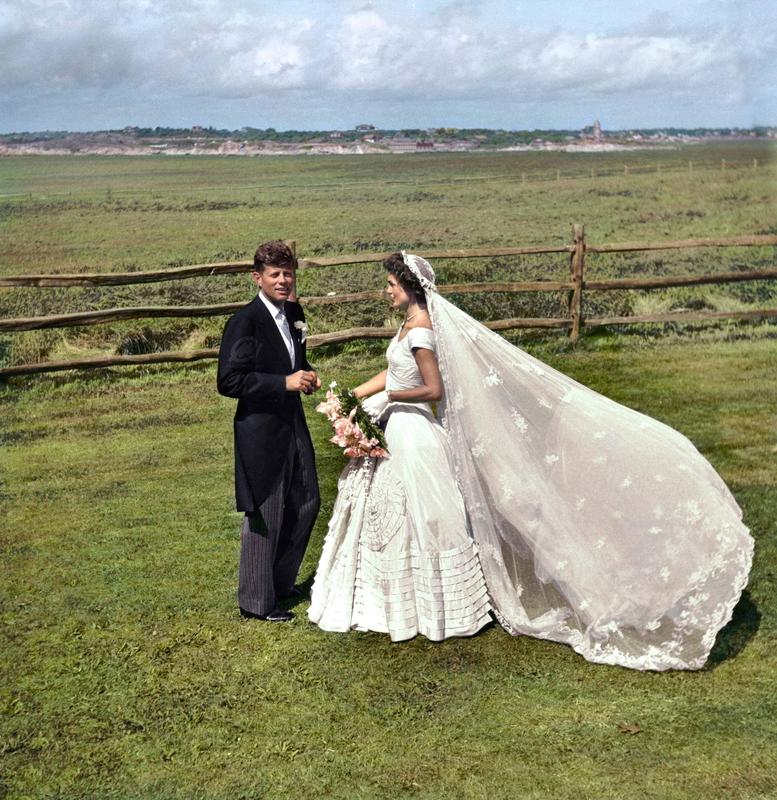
(397, 296)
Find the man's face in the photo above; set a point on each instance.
(277, 283)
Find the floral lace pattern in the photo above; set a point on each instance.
(597, 526)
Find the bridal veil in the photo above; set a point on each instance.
(597, 525)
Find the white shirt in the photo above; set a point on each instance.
(278, 313)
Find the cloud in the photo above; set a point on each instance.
(456, 51)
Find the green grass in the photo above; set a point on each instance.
(70, 214)
(128, 672)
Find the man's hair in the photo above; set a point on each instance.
(277, 253)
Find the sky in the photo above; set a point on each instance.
(333, 64)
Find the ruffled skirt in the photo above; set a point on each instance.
(398, 557)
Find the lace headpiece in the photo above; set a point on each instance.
(422, 269)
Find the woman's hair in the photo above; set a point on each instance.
(277, 253)
(395, 264)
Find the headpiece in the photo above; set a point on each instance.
(422, 269)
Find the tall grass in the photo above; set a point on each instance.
(58, 216)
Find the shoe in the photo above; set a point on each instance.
(276, 615)
(293, 594)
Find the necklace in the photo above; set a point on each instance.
(407, 319)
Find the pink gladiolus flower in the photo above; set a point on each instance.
(347, 432)
(330, 407)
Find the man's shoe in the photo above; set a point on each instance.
(276, 615)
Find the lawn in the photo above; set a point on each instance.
(129, 673)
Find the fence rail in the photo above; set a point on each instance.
(574, 287)
(229, 267)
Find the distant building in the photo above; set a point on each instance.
(592, 132)
(364, 128)
(400, 144)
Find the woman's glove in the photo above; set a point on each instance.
(375, 405)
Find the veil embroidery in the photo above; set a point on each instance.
(597, 526)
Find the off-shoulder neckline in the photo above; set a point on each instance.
(414, 328)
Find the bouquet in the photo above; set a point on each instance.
(354, 430)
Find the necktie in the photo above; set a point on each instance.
(283, 325)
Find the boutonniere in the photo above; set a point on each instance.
(303, 330)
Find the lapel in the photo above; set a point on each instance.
(272, 334)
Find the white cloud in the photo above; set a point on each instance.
(371, 53)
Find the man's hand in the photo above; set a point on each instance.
(302, 381)
(315, 385)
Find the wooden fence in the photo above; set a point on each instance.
(574, 289)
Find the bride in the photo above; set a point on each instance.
(566, 515)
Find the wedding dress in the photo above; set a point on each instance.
(398, 557)
(594, 525)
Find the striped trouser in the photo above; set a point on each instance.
(273, 542)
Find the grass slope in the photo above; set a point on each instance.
(128, 672)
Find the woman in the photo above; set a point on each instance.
(595, 525)
(399, 557)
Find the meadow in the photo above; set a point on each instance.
(65, 214)
(127, 671)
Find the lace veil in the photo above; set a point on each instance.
(597, 525)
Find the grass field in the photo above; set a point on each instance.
(128, 673)
(66, 214)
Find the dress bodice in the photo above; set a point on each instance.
(403, 372)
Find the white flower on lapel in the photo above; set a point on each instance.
(303, 330)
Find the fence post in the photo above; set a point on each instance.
(576, 266)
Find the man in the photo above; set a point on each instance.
(263, 363)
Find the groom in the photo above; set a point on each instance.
(263, 363)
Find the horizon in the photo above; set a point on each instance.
(354, 128)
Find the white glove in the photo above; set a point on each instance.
(375, 405)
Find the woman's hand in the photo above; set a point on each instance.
(375, 405)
